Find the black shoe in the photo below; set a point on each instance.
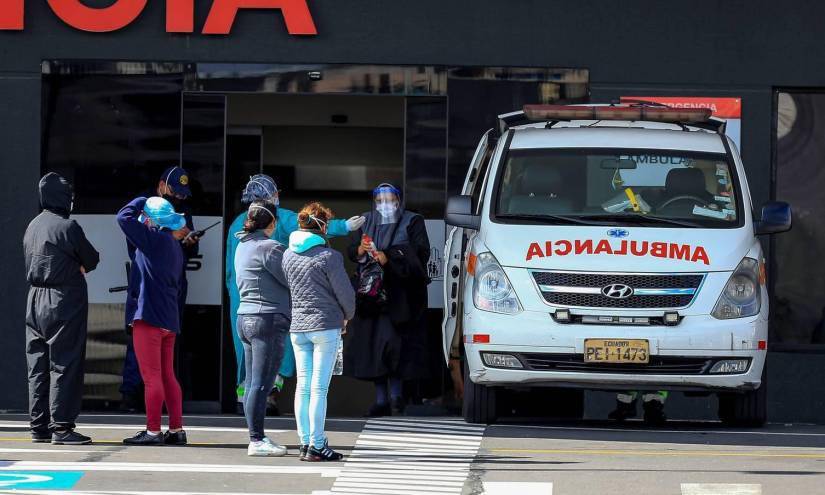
(302, 452)
(70, 437)
(654, 413)
(41, 436)
(379, 410)
(325, 454)
(174, 438)
(623, 411)
(144, 438)
(398, 406)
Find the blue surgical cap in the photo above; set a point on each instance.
(261, 187)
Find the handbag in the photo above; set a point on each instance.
(370, 292)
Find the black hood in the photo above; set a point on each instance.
(56, 194)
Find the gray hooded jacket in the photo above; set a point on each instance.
(322, 295)
(258, 273)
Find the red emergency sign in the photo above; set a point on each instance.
(180, 15)
(671, 250)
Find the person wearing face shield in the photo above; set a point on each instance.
(385, 342)
(173, 186)
(58, 256)
(262, 187)
(154, 230)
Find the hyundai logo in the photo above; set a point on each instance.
(617, 291)
(618, 233)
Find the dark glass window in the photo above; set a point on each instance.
(111, 135)
(798, 311)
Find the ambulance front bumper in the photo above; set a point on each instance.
(683, 357)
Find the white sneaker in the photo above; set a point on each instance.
(265, 448)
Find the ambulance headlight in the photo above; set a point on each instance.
(492, 290)
(742, 295)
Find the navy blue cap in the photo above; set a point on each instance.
(177, 179)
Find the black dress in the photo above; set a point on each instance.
(392, 341)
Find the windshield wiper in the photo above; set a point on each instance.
(635, 218)
(576, 219)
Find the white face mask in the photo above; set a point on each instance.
(386, 209)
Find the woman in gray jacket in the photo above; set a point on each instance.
(263, 317)
(322, 302)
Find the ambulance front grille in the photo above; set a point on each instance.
(658, 365)
(584, 290)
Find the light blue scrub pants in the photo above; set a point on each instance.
(315, 354)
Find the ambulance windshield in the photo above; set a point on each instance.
(618, 187)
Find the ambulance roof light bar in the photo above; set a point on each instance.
(618, 112)
(640, 111)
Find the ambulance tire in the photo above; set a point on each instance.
(480, 401)
(749, 409)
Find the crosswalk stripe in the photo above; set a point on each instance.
(410, 457)
(721, 489)
(423, 424)
(405, 475)
(517, 488)
(423, 429)
(464, 444)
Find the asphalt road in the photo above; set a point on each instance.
(427, 456)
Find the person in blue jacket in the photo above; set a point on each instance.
(263, 187)
(155, 229)
(173, 186)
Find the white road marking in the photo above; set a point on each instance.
(517, 488)
(89, 426)
(110, 492)
(720, 489)
(326, 472)
(49, 451)
(410, 457)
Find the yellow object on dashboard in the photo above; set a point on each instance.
(632, 198)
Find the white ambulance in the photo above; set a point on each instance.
(609, 248)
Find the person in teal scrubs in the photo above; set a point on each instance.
(262, 187)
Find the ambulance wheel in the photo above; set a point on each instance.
(480, 401)
(746, 410)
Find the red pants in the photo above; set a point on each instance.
(155, 351)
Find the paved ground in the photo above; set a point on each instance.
(412, 456)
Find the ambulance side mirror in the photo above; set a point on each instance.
(776, 218)
(460, 213)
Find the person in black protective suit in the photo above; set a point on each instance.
(172, 186)
(58, 256)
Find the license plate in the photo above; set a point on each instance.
(616, 351)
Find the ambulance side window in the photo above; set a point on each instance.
(481, 179)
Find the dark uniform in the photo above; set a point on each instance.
(57, 308)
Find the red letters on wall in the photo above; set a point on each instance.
(11, 15)
(97, 20)
(296, 15)
(179, 15)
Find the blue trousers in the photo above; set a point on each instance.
(315, 354)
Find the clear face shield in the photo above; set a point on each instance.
(387, 204)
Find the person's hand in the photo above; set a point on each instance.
(381, 257)
(355, 223)
(364, 248)
(82, 270)
(191, 240)
(344, 328)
